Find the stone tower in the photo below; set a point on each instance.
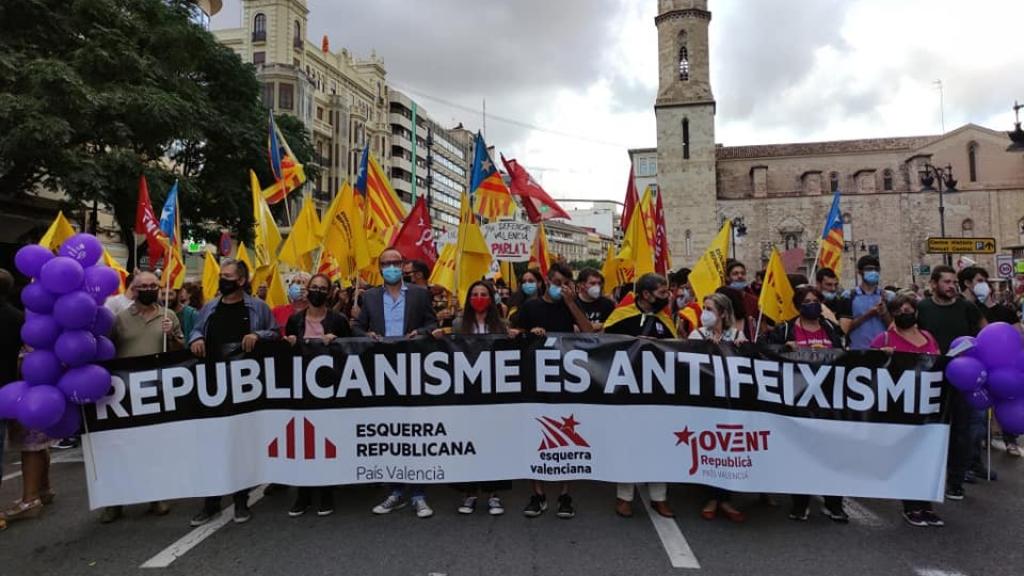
(685, 112)
(277, 28)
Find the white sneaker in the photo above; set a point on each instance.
(468, 505)
(1012, 449)
(422, 510)
(494, 506)
(392, 503)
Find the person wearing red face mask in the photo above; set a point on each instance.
(480, 315)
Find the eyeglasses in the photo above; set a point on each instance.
(391, 263)
(318, 290)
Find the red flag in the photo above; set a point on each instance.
(632, 199)
(147, 224)
(415, 240)
(539, 206)
(662, 262)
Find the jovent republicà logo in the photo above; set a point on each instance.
(560, 434)
(309, 443)
(729, 445)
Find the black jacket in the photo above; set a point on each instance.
(786, 333)
(333, 323)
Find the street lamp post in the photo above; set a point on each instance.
(739, 230)
(945, 180)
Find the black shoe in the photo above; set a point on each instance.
(326, 504)
(955, 493)
(565, 508)
(799, 514)
(203, 517)
(970, 478)
(299, 508)
(932, 519)
(838, 516)
(537, 505)
(66, 443)
(915, 518)
(982, 473)
(242, 514)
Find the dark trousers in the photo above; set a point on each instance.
(803, 502)
(324, 494)
(712, 493)
(916, 506)
(960, 440)
(241, 498)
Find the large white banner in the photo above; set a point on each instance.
(569, 408)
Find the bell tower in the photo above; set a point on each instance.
(685, 112)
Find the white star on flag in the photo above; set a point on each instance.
(486, 165)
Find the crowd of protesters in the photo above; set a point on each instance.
(861, 317)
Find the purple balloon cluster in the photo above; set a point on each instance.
(991, 373)
(66, 325)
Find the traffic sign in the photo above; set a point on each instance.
(1004, 266)
(961, 245)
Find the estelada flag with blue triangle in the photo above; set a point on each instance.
(491, 198)
(288, 174)
(383, 208)
(830, 250)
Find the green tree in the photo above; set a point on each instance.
(95, 92)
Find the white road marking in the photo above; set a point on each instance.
(56, 460)
(196, 536)
(937, 572)
(859, 513)
(680, 555)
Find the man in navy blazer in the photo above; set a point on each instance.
(395, 310)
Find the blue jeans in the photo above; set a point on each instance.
(417, 490)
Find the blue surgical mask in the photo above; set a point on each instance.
(392, 275)
(738, 285)
(830, 296)
(872, 277)
(555, 292)
(529, 288)
(294, 292)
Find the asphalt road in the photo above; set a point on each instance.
(982, 537)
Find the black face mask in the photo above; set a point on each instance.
(407, 278)
(659, 304)
(146, 297)
(811, 310)
(316, 299)
(905, 320)
(227, 287)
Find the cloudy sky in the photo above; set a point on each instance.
(570, 85)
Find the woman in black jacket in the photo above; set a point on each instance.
(317, 323)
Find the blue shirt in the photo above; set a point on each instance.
(859, 304)
(394, 313)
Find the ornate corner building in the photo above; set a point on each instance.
(782, 192)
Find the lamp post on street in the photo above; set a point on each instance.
(945, 180)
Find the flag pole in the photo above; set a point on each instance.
(167, 298)
(757, 329)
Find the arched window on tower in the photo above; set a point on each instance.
(259, 26)
(887, 180)
(972, 160)
(689, 243)
(686, 138)
(684, 57)
(833, 180)
(297, 37)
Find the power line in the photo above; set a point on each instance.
(506, 120)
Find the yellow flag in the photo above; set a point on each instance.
(211, 276)
(776, 301)
(636, 247)
(647, 211)
(708, 274)
(443, 274)
(302, 240)
(174, 272)
(277, 295)
(508, 274)
(266, 236)
(114, 265)
(242, 255)
(474, 257)
(59, 231)
(344, 233)
(610, 271)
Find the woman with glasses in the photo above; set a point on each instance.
(316, 324)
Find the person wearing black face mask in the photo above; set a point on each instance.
(316, 324)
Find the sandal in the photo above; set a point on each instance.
(22, 509)
(3, 525)
(47, 497)
(709, 512)
(734, 515)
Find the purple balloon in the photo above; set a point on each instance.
(105, 349)
(979, 399)
(37, 299)
(10, 395)
(76, 347)
(103, 322)
(68, 425)
(30, 259)
(1006, 384)
(75, 311)
(100, 282)
(41, 368)
(1010, 414)
(966, 374)
(40, 332)
(86, 249)
(41, 407)
(61, 275)
(85, 384)
(998, 345)
(972, 351)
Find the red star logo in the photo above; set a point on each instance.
(569, 424)
(684, 436)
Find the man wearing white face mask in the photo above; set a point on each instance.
(592, 302)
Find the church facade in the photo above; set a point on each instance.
(781, 193)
